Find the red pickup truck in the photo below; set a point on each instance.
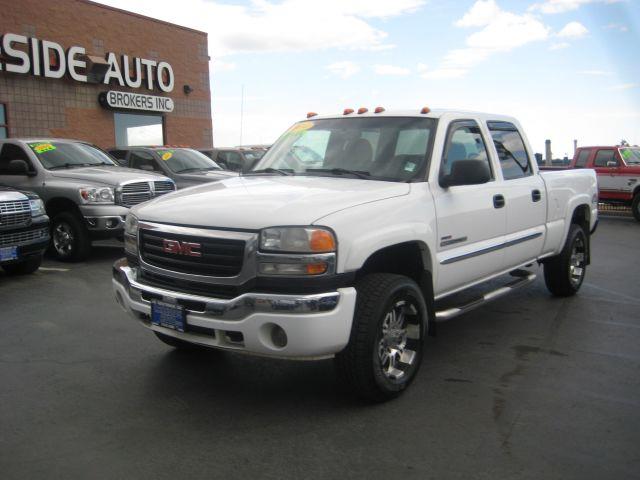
(618, 170)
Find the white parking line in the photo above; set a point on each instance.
(54, 269)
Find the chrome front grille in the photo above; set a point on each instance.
(137, 192)
(21, 238)
(217, 257)
(15, 213)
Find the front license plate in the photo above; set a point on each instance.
(168, 315)
(8, 253)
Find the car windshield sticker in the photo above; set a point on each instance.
(409, 167)
(301, 127)
(41, 147)
(167, 155)
(626, 153)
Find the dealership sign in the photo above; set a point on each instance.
(135, 101)
(43, 58)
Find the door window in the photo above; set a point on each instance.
(583, 156)
(465, 142)
(143, 161)
(603, 157)
(10, 152)
(513, 156)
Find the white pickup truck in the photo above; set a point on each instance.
(348, 235)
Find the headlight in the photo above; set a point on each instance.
(97, 194)
(131, 235)
(297, 240)
(37, 207)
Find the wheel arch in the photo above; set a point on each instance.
(57, 205)
(411, 258)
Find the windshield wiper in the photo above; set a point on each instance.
(72, 165)
(341, 171)
(281, 171)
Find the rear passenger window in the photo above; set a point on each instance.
(465, 142)
(603, 157)
(583, 156)
(513, 156)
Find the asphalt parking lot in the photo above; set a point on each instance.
(527, 387)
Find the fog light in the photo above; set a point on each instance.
(278, 336)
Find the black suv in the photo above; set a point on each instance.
(185, 166)
(238, 159)
(24, 231)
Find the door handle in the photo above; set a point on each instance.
(498, 201)
(536, 195)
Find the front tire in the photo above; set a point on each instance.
(635, 206)
(24, 268)
(564, 273)
(70, 239)
(387, 337)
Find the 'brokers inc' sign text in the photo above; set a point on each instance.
(135, 101)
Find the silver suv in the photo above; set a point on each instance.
(86, 194)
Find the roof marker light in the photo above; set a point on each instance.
(347, 111)
(425, 110)
(362, 110)
(311, 114)
(379, 110)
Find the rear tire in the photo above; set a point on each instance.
(387, 337)
(70, 241)
(565, 272)
(635, 206)
(24, 268)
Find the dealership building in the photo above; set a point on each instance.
(78, 69)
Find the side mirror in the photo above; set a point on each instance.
(612, 163)
(466, 172)
(20, 167)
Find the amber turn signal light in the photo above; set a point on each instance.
(322, 241)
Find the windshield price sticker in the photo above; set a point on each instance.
(167, 155)
(41, 147)
(626, 153)
(301, 127)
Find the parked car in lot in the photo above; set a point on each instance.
(618, 170)
(354, 259)
(86, 194)
(237, 159)
(24, 231)
(185, 166)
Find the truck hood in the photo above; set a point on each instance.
(206, 176)
(111, 176)
(256, 202)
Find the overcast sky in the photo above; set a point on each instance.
(566, 68)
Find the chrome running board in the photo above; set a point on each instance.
(523, 278)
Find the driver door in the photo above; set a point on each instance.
(471, 219)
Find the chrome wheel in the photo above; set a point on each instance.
(577, 262)
(63, 238)
(399, 341)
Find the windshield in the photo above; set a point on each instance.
(186, 160)
(254, 155)
(383, 148)
(631, 155)
(54, 155)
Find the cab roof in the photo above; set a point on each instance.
(435, 113)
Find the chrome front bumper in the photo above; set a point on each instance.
(316, 325)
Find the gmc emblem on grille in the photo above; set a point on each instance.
(181, 248)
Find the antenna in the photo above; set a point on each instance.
(241, 112)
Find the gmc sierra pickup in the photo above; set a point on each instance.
(353, 258)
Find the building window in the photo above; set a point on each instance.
(136, 130)
(4, 127)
